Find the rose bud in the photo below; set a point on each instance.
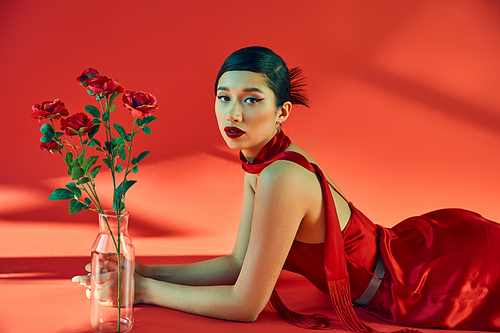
(103, 85)
(50, 146)
(87, 75)
(76, 124)
(48, 109)
(140, 104)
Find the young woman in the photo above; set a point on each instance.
(436, 270)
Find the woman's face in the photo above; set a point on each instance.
(246, 111)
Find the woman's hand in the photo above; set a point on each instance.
(84, 280)
(106, 283)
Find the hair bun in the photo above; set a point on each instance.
(297, 84)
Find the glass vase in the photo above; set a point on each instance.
(112, 275)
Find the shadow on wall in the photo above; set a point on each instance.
(449, 104)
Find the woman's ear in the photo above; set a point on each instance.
(284, 111)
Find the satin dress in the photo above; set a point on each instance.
(442, 268)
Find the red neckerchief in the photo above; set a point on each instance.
(278, 143)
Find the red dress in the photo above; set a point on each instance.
(442, 269)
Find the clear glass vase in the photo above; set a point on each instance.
(112, 275)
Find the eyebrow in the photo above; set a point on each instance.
(245, 90)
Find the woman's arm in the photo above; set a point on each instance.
(217, 271)
(280, 203)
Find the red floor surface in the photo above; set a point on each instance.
(47, 301)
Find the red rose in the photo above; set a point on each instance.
(103, 85)
(140, 104)
(48, 109)
(50, 146)
(87, 75)
(76, 124)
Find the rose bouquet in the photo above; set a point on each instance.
(76, 142)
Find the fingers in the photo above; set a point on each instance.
(105, 298)
(83, 280)
(108, 257)
(106, 280)
(107, 272)
(105, 277)
(108, 266)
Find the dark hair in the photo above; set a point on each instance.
(287, 85)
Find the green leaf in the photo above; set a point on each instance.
(121, 131)
(112, 108)
(121, 206)
(95, 171)
(122, 189)
(122, 153)
(146, 130)
(73, 188)
(76, 162)
(119, 168)
(92, 143)
(88, 201)
(85, 141)
(118, 141)
(128, 184)
(93, 111)
(61, 194)
(96, 121)
(90, 92)
(93, 131)
(82, 181)
(89, 162)
(139, 122)
(149, 120)
(113, 97)
(105, 116)
(77, 173)
(81, 158)
(139, 158)
(69, 158)
(75, 206)
(45, 138)
(107, 162)
(59, 134)
(108, 146)
(135, 169)
(97, 142)
(47, 130)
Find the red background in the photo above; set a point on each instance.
(404, 117)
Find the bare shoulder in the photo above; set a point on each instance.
(288, 182)
(295, 148)
(285, 173)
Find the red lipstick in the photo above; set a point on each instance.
(233, 132)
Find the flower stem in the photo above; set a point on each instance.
(117, 205)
